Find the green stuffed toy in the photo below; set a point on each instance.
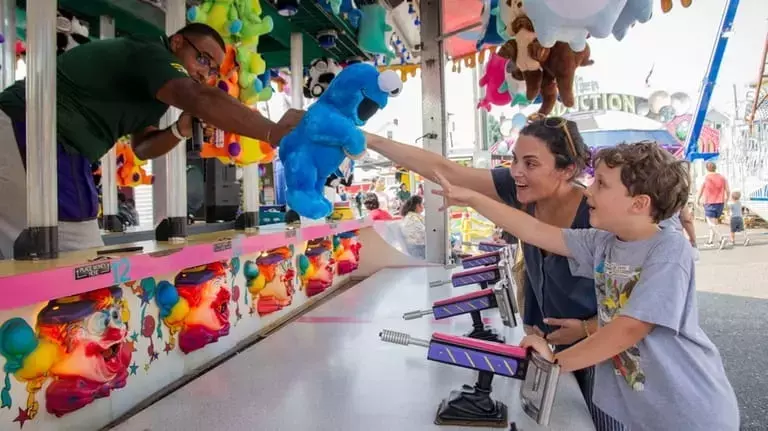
(219, 14)
(373, 30)
(251, 26)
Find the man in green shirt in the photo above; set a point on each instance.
(107, 89)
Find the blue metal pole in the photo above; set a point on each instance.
(726, 24)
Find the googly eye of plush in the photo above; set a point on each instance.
(390, 83)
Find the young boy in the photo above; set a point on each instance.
(656, 369)
(737, 218)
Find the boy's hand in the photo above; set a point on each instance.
(538, 344)
(571, 331)
(452, 195)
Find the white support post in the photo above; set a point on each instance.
(249, 218)
(297, 82)
(109, 162)
(40, 239)
(173, 227)
(433, 117)
(8, 48)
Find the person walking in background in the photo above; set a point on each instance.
(371, 203)
(715, 194)
(737, 218)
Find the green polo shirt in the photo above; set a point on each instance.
(105, 89)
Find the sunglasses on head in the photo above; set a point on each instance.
(555, 123)
(204, 59)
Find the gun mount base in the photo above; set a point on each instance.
(482, 332)
(473, 406)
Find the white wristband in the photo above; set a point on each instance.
(176, 133)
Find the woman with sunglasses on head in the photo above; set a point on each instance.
(110, 88)
(548, 156)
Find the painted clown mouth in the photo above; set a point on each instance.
(366, 109)
(110, 353)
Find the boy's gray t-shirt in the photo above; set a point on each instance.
(673, 222)
(673, 379)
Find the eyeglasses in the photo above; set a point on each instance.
(204, 59)
(556, 123)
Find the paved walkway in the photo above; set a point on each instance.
(733, 308)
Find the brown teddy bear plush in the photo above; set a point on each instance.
(558, 68)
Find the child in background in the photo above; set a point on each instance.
(655, 368)
(737, 218)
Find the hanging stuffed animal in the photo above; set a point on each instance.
(489, 33)
(527, 68)
(558, 68)
(513, 86)
(571, 21)
(220, 15)
(321, 73)
(666, 5)
(130, 170)
(635, 11)
(372, 35)
(492, 81)
(329, 132)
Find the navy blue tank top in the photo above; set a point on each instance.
(550, 289)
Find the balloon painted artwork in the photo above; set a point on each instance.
(316, 267)
(79, 346)
(196, 306)
(270, 280)
(138, 336)
(346, 252)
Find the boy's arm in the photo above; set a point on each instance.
(657, 302)
(518, 223)
(620, 334)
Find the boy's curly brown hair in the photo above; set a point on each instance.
(648, 169)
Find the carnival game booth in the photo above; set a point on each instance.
(89, 338)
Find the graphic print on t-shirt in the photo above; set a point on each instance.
(614, 283)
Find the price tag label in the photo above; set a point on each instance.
(92, 270)
(333, 225)
(291, 233)
(222, 245)
(121, 270)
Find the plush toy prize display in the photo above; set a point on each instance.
(329, 132)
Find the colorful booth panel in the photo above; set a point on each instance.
(76, 347)
(82, 361)
(316, 266)
(270, 280)
(346, 252)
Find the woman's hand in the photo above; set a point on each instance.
(538, 344)
(452, 194)
(570, 331)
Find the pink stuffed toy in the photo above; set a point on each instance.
(493, 79)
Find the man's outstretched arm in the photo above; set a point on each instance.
(221, 110)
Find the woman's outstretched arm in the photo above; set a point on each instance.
(426, 163)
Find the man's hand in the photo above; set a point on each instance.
(571, 331)
(538, 344)
(283, 127)
(291, 118)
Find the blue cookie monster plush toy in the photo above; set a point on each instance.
(329, 131)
